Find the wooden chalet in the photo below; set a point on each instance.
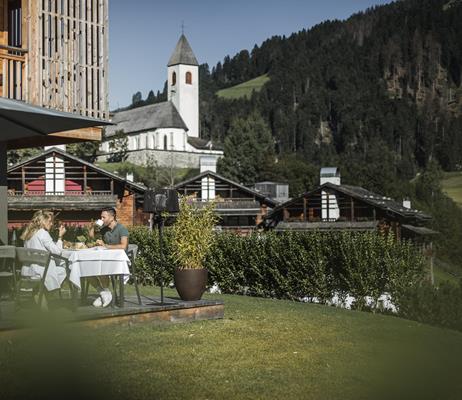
(74, 189)
(345, 207)
(238, 207)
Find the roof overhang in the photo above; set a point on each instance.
(420, 230)
(327, 226)
(54, 139)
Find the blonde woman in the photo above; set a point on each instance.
(37, 236)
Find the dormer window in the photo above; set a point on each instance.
(188, 78)
(173, 78)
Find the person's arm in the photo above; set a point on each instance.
(122, 245)
(52, 247)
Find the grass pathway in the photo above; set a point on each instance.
(265, 349)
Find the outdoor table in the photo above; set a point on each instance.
(98, 261)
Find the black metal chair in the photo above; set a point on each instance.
(42, 258)
(7, 267)
(132, 252)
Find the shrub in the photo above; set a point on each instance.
(440, 305)
(293, 265)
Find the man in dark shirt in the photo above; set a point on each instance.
(115, 236)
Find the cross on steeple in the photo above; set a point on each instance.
(182, 27)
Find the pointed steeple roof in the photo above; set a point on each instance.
(182, 54)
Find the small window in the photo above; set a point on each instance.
(173, 78)
(188, 78)
(165, 143)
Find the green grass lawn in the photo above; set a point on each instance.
(179, 174)
(442, 276)
(244, 89)
(262, 349)
(452, 186)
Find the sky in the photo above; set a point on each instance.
(143, 33)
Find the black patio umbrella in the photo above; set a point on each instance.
(19, 123)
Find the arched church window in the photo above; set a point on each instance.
(188, 78)
(165, 143)
(173, 78)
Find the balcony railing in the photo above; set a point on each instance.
(13, 72)
(69, 200)
(230, 203)
(31, 193)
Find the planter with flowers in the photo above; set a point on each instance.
(192, 238)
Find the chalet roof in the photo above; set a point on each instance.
(323, 226)
(136, 187)
(245, 189)
(374, 199)
(151, 117)
(420, 230)
(380, 201)
(182, 54)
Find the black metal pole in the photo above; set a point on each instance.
(160, 225)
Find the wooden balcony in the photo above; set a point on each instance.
(13, 72)
(69, 200)
(232, 206)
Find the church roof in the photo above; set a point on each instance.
(183, 53)
(140, 119)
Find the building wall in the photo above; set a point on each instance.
(177, 139)
(126, 209)
(177, 159)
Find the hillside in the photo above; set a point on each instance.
(452, 186)
(244, 90)
(387, 78)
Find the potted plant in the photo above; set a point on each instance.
(193, 236)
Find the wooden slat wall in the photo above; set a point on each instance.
(69, 42)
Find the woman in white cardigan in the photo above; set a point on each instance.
(37, 236)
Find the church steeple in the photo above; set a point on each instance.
(183, 53)
(183, 84)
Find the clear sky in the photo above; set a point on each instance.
(143, 33)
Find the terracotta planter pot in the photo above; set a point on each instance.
(190, 283)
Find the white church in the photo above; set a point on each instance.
(167, 132)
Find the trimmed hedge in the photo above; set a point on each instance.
(317, 267)
(296, 265)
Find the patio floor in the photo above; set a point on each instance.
(150, 311)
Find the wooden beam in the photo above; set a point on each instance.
(94, 133)
(3, 195)
(23, 179)
(84, 178)
(80, 135)
(352, 207)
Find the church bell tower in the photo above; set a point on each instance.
(183, 84)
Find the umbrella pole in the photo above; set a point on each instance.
(3, 194)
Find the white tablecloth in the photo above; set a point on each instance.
(96, 262)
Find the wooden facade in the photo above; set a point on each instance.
(343, 207)
(239, 208)
(54, 53)
(73, 187)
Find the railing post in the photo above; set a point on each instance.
(3, 194)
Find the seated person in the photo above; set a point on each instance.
(37, 236)
(115, 236)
